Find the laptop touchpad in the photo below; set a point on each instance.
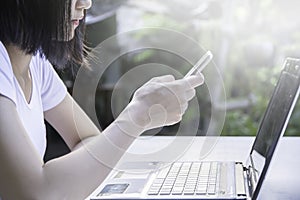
(126, 186)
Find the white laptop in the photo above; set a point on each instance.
(213, 180)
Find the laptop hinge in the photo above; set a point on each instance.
(251, 179)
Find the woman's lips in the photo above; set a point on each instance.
(75, 22)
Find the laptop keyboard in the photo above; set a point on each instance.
(181, 178)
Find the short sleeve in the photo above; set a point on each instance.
(7, 86)
(53, 90)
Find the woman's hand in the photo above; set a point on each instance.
(162, 101)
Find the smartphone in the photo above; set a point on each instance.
(201, 64)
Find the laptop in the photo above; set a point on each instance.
(213, 179)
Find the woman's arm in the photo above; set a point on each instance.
(76, 128)
(76, 124)
(23, 175)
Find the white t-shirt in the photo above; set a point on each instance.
(48, 90)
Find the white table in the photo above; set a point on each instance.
(282, 180)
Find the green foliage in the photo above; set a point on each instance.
(249, 41)
(239, 123)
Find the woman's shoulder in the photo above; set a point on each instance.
(6, 70)
(4, 58)
(40, 61)
(41, 66)
(7, 86)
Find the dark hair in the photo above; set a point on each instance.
(42, 26)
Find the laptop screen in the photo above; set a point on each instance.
(275, 121)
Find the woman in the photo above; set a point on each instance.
(33, 34)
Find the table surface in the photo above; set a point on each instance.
(282, 180)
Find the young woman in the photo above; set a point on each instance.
(34, 34)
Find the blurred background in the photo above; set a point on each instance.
(249, 39)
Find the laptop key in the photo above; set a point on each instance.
(177, 190)
(200, 191)
(211, 189)
(189, 192)
(164, 172)
(165, 191)
(153, 191)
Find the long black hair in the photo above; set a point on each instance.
(42, 26)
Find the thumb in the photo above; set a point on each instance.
(195, 80)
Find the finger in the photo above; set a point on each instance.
(184, 108)
(195, 80)
(175, 119)
(190, 94)
(165, 78)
